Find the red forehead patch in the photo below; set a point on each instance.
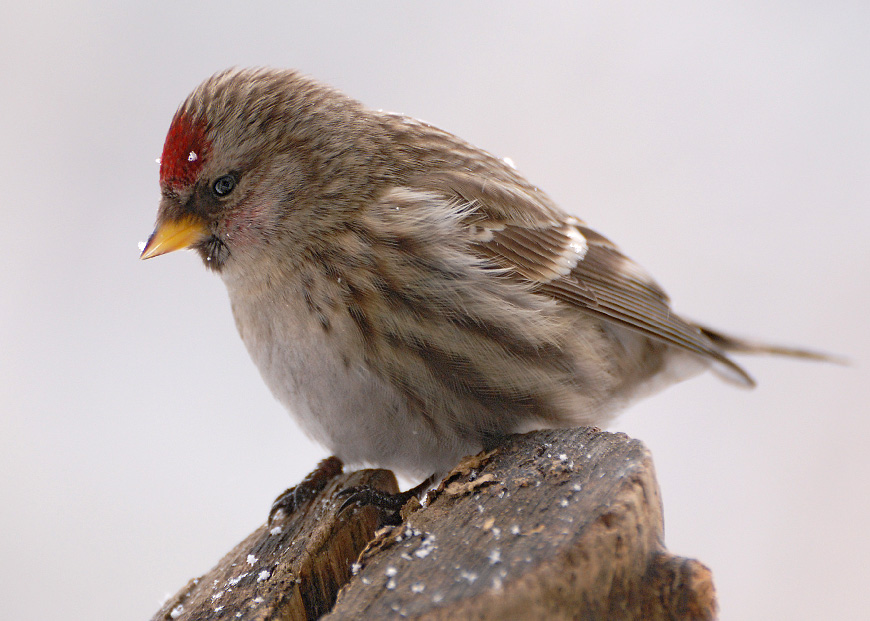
(184, 152)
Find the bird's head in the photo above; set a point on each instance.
(248, 162)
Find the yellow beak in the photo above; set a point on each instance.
(172, 235)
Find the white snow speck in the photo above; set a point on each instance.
(494, 556)
(192, 156)
(237, 579)
(515, 529)
(276, 531)
(141, 246)
(176, 612)
(390, 571)
(426, 547)
(563, 457)
(251, 559)
(354, 569)
(217, 595)
(577, 487)
(391, 584)
(496, 583)
(158, 161)
(264, 575)
(258, 600)
(418, 587)
(365, 580)
(509, 162)
(468, 575)
(219, 608)
(563, 502)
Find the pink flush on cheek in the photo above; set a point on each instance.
(184, 152)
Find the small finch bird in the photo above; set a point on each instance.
(410, 298)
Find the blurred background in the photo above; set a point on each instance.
(726, 149)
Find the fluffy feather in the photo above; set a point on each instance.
(410, 297)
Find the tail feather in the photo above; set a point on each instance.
(736, 345)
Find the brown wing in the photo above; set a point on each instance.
(573, 263)
(517, 227)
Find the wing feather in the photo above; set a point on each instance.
(602, 281)
(562, 257)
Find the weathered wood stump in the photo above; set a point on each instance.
(555, 524)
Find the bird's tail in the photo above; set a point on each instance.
(737, 345)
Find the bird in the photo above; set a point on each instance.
(410, 298)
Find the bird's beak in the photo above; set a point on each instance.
(171, 235)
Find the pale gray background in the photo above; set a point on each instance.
(726, 149)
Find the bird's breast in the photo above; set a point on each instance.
(315, 369)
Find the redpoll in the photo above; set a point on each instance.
(409, 297)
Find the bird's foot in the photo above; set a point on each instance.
(289, 501)
(390, 504)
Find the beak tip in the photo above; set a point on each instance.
(171, 235)
(146, 249)
(151, 252)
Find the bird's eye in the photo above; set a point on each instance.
(224, 185)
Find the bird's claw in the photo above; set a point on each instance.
(293, 498)
(390, 505)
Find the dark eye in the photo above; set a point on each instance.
(224, 185)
